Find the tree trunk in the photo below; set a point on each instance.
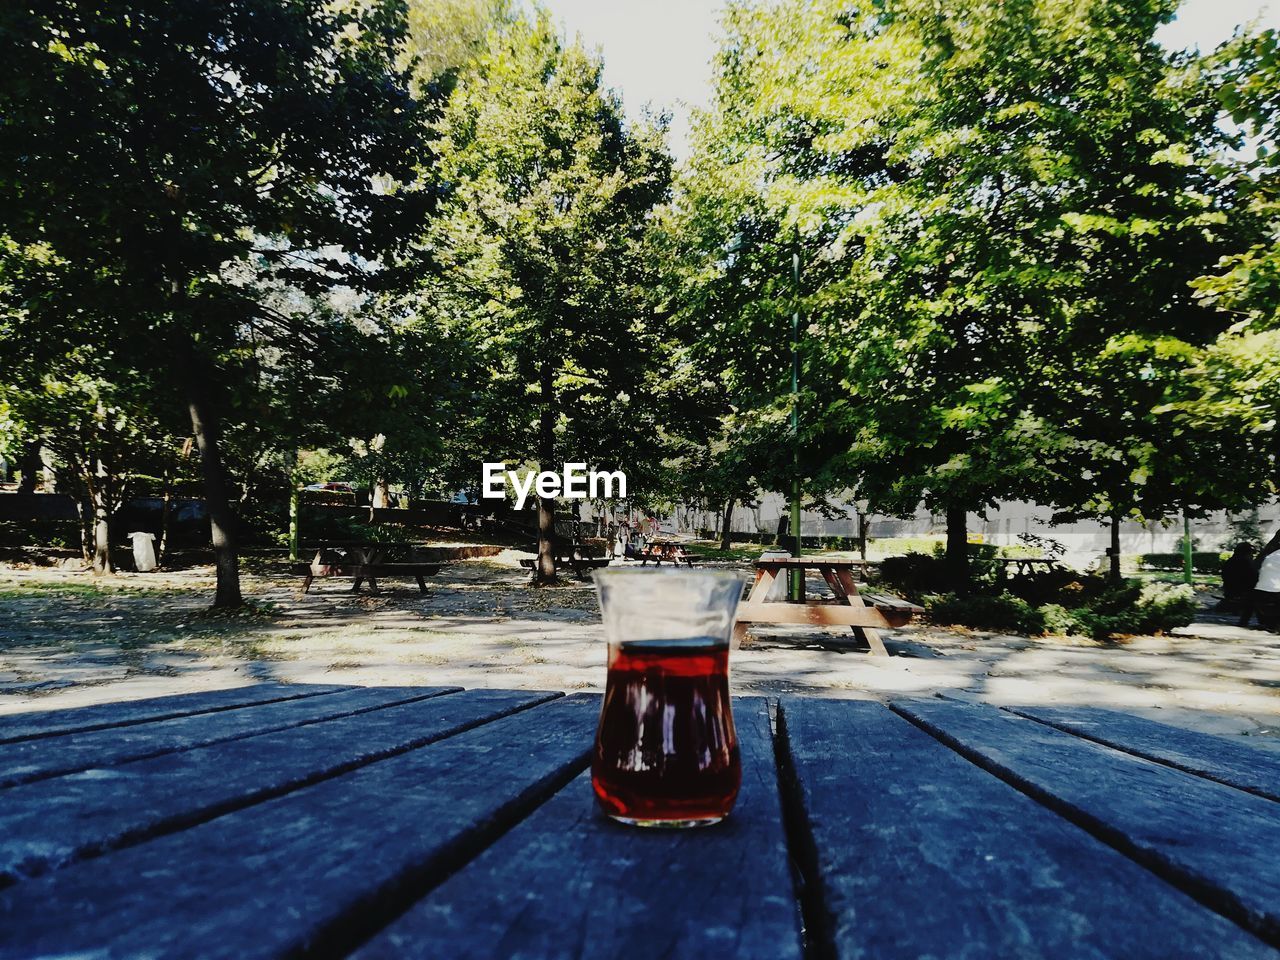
(957, 560)
(379, 497)
(103, 562)
(545, 571)
(222, 519)
(726, 527)
(29, 467)
(862, 535)
(1113, 552)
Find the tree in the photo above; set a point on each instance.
(842, 132)
(537, 253)
(1000, 201)
(1234, 387)
(147, 149)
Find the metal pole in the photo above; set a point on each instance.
(797, 576)
(1188, 558)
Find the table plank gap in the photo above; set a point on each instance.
(1224, 760)
(806, 875)
(55, 723)
(31, 761)
(1207, 839)
(569, 882)
(52, 823)
(316, 871)
(917, 851)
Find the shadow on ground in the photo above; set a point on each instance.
(67, 640)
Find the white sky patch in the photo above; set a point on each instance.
(658, 52)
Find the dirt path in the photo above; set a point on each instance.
(68, 640)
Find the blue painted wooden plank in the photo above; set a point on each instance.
(1224, 759)
(321, 867)
(1215, 842)
(50, 723)
(915, 852)
(569, 883)
(29, 760)
(50, 823)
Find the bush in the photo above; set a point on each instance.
(1133, 608)
(1201, 562)
(1059, 585)
(914, 574)
(1058, 620)
(1004, 612)
(917, 574)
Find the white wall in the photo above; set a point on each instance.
(1084, 540)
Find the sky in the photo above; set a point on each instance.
(658, 52)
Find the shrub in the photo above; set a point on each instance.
(914, 574)
(1201, 562)
(1133, 608)
(1058, 620)
(917, 574)
(1004, 612)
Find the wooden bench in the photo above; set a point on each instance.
(579, 565)
(896, 612)
(359, 572)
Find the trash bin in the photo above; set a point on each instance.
(144, 551)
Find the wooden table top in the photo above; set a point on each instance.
(831, 562)
(275, 820)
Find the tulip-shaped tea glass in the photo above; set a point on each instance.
(666, 754)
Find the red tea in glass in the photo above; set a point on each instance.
(666, 753)
(666, 749)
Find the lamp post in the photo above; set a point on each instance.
(797, 575)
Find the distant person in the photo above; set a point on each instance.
(1266, 591)
(1239, 574)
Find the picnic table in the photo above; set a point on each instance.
(1026, 565)
(419, 822)
(572, 559)
(866, 613)
(363, 560)
(667, 551)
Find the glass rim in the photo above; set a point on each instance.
(615, 573)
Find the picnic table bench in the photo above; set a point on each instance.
(581, 566)
(666, 551)
(423, 822)
(363, 560)
(867, 614)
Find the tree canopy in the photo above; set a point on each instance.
(1034, 255)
